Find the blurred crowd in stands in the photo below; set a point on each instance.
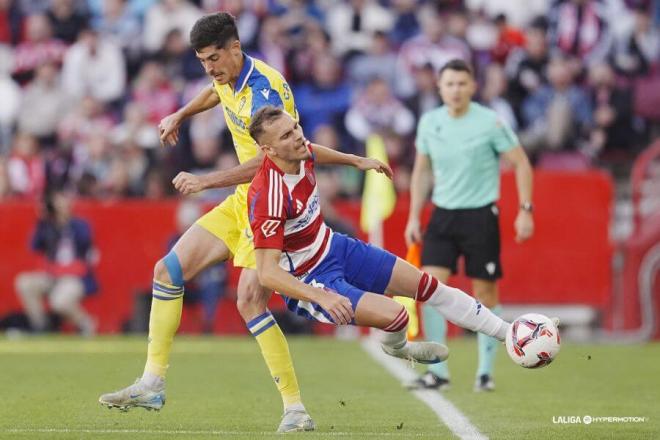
(84, 83)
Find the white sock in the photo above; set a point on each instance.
(396, 340)
(295, 407)
(465, 311)
(151, 380)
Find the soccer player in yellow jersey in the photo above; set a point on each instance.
(242, 85)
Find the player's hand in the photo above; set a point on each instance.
(168, 130)
(187, 183)
(524, 226)
(413, 232)
(339, 307)
(367, 163)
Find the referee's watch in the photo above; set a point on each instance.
(527, 206)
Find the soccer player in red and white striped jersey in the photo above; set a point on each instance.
(328, 276)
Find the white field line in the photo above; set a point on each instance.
(451, 416)
(201, 432)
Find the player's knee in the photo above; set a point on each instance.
(160, 272)
(251, 301)
(398, 322)
(168, 270)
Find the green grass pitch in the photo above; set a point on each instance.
(219, 388)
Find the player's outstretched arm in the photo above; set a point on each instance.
(169, 126)
(328, 156)
(272, 276)
(188, 183)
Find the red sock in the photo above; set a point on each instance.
(426, 287)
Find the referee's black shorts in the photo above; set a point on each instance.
(473, 233)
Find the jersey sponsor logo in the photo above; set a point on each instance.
(311, 209)
(265, 93)
(235, 118)
(269, 227)
(299, 205)
(242, 104)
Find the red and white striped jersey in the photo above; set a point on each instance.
(285, 214)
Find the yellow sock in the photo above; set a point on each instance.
(275, 351)
(166, 306)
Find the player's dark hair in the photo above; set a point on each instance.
(213, 30)
(265, 115)
(457, 65)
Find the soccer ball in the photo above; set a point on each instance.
(532, 340)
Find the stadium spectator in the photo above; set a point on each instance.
(426, 91)
(324, 100)
(376, 110)
(273, 44)
(67, 22)
(493, 95)
(580, 30)
(92, 169)
(153, 90)
(636, 51)
(38, 47)
(11, 22)
(135, 128)
(25, 167)
(94, 66)
(116, 20)
(178, 61)
(65, 276)
(519, 13)
(379, 60)
(296, 37)
(405, 24)
(433, 46)
(526, 67)
(351, 25)
(43, 106)
(136, 9)
(247, 21)
(508, 38)
(165, 15)
(613, 126)
(315, 44)
(10, 96)
(558, 116)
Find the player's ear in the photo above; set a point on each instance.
(235, 47)
(473, 85)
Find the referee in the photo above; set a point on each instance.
(458, 149)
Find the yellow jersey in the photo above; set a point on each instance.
(257, 85)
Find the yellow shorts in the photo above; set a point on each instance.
(229, 222)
